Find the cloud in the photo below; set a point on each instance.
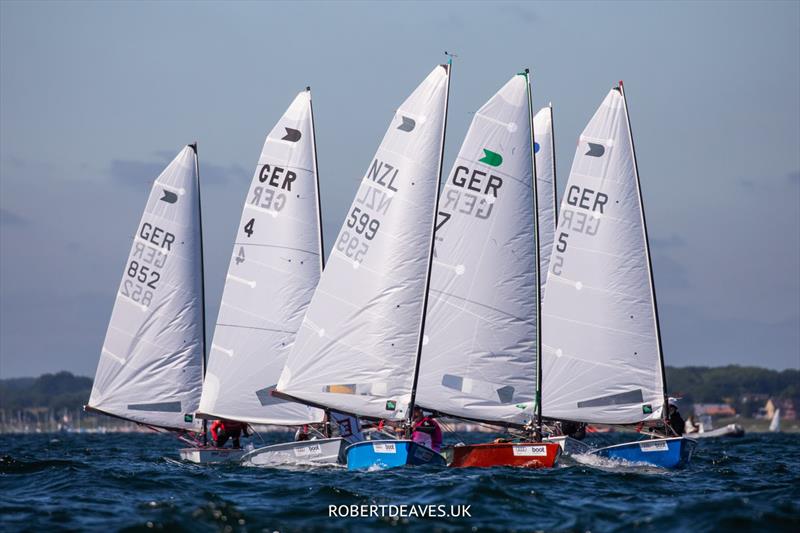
(673, 241)
(669, 273)
(520, 12)
(769, 186)
(7, 218)
(691, 338)
(131, 172)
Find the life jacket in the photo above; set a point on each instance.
(230, 427)
(428, 433)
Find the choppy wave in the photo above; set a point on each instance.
(135, 482)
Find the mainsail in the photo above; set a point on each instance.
(357, 347)
(479, 357)
(544, 149)
(151, 364)
(274, 267)
(601, 359)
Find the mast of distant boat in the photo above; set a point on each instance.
(421, 336)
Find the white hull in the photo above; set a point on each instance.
(731, 430)
(570, 446)
(211, 455)
(320, 451)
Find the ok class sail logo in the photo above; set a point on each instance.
(169, 197)
(292, 135)
(595, 150)
(408, 124)
(493, 159)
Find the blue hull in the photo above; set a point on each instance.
(383, 454)
(673, 452)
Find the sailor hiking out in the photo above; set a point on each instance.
(222, 430)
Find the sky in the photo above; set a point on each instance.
(96, 97)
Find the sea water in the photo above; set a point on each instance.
(136, 482)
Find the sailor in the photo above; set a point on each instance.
(302, 434)
(575, 430)
(426, 430)
(676, 421)
(222, 430)
(691, 425)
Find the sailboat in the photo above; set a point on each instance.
(274, 268)
(775, 423)
(357, 350)
(479, 360)
(602, 360)
(151, 364)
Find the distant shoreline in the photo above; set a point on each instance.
(52, 403)
(750, 425)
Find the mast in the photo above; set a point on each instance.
(316, 182)
(327, 423)
(193, 146)
(553, 158)
(421, 335)
(538, 288)
(665, 408)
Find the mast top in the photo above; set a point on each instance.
(193, 146)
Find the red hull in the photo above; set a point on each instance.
(518, 454)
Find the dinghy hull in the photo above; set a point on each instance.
(569, 445)
(673, 452)
(317, 451)
(210, 454)
(385, 454)
(516, 454)
(731, 430)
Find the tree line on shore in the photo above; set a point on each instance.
(737, 385)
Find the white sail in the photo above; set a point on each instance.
(357, 347)
(601, 359)
(775, 423)
(274, 267)
(479, 357)
(545, 186)
(151, 364)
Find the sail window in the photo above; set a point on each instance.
(634, 396)
(163, 407)
(265, 396)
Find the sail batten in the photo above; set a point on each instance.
(274, 266)
(151, 362)
(356, 348)
(479, 358)
(601, 356)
